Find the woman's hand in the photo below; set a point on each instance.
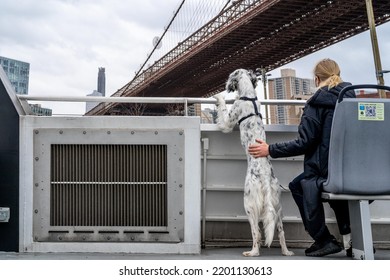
(259, 149)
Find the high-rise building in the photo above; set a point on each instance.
(101, 86)
(101, 90)
(288, 86)
(18, 73)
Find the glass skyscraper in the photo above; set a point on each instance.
(17, 72)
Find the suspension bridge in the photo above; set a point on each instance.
(206, 41)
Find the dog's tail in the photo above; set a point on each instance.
(270, 214)
(269, 223)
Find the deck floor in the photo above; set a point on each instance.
(206, 254)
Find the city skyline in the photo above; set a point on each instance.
(63, 62)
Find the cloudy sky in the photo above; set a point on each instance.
(66, 41)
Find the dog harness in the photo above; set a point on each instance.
(257, 113)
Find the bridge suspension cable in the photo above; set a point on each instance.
(187, 18)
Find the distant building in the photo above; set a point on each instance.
(101, 90)
(101, 86)
(369, 94)
(18, 73)
(40, 111)
(208, 116)
(90, 105)
(195, 110)
(289, 87)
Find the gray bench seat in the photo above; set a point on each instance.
(359, 162)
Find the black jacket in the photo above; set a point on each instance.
(313, 132)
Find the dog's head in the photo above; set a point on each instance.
(241, 77)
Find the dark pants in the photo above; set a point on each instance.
(307, 196)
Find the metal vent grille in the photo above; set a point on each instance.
(108, 185)
(117, 185)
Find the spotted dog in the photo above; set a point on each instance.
(262, 189)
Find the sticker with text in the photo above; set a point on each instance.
(371, 111)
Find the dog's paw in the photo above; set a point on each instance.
(219, 97)
(288, 253)
(253, 253)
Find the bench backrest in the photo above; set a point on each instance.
(359, 155)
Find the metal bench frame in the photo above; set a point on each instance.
(359, 214)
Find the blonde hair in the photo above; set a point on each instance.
(328, 71)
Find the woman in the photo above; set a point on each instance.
(313, 142)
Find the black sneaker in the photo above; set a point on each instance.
(327, 248)
(314, 247)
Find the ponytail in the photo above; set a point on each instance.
(333, 81)
(328, 71)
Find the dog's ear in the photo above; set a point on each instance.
(253, 78)
(232, 82)
(231, 85)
